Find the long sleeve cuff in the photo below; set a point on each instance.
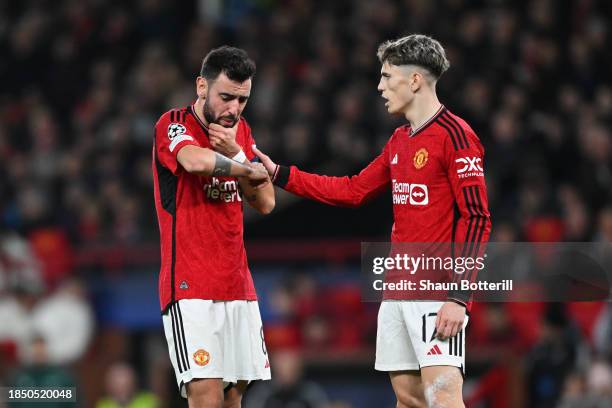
(460, 296)
(283, 176)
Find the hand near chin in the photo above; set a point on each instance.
(223, 140)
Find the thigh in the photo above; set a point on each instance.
(394, 351)
(245, 352)
(193, 331)
(420, 318)
(216, 339)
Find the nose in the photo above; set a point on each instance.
(380, 85)
(233, 107)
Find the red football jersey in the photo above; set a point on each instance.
(431, 172)
(200, 218)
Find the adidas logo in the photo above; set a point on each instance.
(184, 285)
(394, 160)
(435, 351)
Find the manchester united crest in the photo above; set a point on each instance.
(201, 357)
(420, 158)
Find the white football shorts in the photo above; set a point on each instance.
(216, 339)
(406, 338)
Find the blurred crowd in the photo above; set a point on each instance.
(84, 81)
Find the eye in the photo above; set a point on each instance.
(226, 98)
(243, 99)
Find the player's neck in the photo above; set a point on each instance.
(420, 111)
(198, 108)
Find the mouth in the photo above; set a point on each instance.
(227, 122)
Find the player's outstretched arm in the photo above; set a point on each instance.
(267, 162)
(205, 162)
(340, 191)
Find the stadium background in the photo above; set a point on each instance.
(83, 82)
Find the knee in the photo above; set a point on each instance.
(408, 400)
(232, 401)
(443, 392)
(204, 397)
(205, 402)
(233, 396)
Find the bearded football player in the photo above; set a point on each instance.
(203, 171)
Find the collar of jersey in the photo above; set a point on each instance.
(427, 122)
(202, 124)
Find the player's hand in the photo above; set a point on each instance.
(265, 160)
(259, 176)
(223, 140)
(450, 320)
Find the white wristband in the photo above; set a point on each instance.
(240, 157)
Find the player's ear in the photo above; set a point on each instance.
(201, 87)
(415, 81)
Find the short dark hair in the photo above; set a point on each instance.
(233, 62)
(415, 49)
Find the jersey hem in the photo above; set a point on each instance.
(165, 308)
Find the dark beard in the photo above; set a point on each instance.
(210, 117)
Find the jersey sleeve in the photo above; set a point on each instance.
(249, 141)
(340, 191)
(170, 137)
(465, 173)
